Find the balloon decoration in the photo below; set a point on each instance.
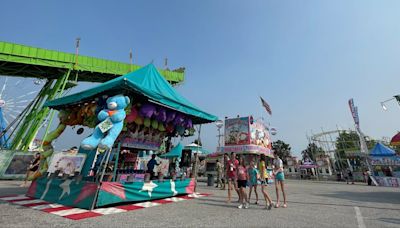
(170, 116)
(161, 115)
(151, 119)
(139, 120)
(154, 124)
(147, 122)
(132, 115)
(147, 110)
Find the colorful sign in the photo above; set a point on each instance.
(388, 181)
(385, 161)
(354, 112)
(259, 135)
(237, 131)
(142, 144)
(245, 149)
(13, 164)
(66, 163)
(163, 166)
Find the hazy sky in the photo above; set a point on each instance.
(306, 58)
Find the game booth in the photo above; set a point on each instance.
(246, 137)
(385, 166)
(308, 169)
(133, 117)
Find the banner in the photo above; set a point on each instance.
(259, 135)
(354, 112)
(140, 144)
(237, 131)
(14, 164)
(66, 163)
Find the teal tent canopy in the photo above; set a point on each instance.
(382, 150)
(146, 81)
(176, 152)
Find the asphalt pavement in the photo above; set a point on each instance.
(310, 204)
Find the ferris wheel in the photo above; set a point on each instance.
(15, 95)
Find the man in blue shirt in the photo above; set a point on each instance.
(150, 166)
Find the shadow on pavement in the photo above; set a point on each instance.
(390, 220)
(374, 197)
(343, 205)
(234, 206)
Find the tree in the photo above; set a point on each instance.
(282, 149)
(312, 151)
(349, 141)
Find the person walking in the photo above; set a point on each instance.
(350, 176)
(224, 171)
(231, 174)
(219, 168)
(264, 182)
(32, 168)
(253, 179)
(279, 179)
(242, 178)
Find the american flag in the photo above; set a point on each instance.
(266, 106)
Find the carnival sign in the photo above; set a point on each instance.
(245, 148)
(137, 143)
(237, 131)
(259, 135)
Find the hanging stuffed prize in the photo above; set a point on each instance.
(147, 110)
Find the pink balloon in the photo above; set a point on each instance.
(132, 116)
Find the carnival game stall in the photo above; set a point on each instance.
(133, 117)
(246, 137)
(385, 166)
(308, 169)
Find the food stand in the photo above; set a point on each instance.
(133, 117)
(246, 137)
(385, 166)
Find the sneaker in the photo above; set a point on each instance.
(256, 203)
(240, 206)
(284, 206)
(270, 206)
(246, 205)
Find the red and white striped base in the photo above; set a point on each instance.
(78, 213)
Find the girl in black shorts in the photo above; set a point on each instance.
(242, 178)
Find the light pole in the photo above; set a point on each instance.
(397, 97)
(219, 124)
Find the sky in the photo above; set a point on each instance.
(305, 58)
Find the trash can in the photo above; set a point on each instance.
(210, 180)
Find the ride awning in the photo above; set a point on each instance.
(146, 81)
(382, 150)
(176, 152)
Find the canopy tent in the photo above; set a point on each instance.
(176, 152)
(196, 149)
(395, 140)
(382, 150)
(146, 81)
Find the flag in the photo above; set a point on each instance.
(266, 106)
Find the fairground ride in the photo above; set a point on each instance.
(58, 71)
